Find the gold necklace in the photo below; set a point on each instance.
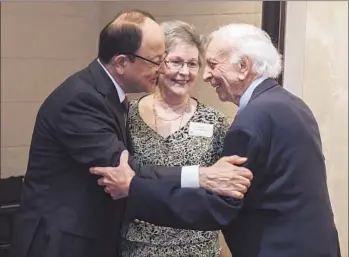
(156, 116)
(173, 108)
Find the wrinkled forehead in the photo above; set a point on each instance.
(217, 49)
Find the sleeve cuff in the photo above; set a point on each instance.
(190, 176)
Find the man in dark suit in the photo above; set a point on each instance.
(81, 124)
(287, 210)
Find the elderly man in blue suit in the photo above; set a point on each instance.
(287, 210)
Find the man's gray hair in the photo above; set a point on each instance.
(250, 41)
(179, 32)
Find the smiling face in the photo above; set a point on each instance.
(141, 75)
(180, 70)
(224, 75)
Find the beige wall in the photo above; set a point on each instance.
(41, 44)
(316, 69)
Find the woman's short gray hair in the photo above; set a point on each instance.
(250, 41)
(177, 32)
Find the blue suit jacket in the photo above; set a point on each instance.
(287, 210)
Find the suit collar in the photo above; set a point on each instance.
(104, 84)
(264, 86)
(121, 92)
(245, 98)
(106, 87)
(102, 81)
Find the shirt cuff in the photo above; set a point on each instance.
(190, 176)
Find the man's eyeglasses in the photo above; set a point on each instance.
(150, 61)
(177, 65)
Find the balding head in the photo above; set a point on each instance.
(132, 46)
(124, 34)
(135, 16)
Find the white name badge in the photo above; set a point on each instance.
(200, 129)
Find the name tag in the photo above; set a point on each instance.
(200, 129)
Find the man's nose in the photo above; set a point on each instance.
(207, 74)
(161, 69)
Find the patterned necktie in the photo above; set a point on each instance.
(128, 143)
(125, 104)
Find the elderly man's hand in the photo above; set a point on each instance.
(225, 178)
(116, 180)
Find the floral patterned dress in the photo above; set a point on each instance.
(141, 239)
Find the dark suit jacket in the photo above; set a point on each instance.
(287, 210)
(63, 211)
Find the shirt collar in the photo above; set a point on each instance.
(121, 92)
(246, 96)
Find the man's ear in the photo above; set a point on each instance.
(120, 62)
(245, 67)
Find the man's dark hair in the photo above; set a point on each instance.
(123, 36)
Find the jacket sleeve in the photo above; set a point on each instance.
(166, 204)
(87, 133)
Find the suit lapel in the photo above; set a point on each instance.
(105, 86)
(263, 87)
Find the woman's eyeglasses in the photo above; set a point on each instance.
(177, 65)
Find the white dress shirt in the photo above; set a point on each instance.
(190, 174)
(246, 96)
(121, 92)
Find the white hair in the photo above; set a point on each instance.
(250, 41)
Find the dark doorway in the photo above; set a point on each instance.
(273, 22)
